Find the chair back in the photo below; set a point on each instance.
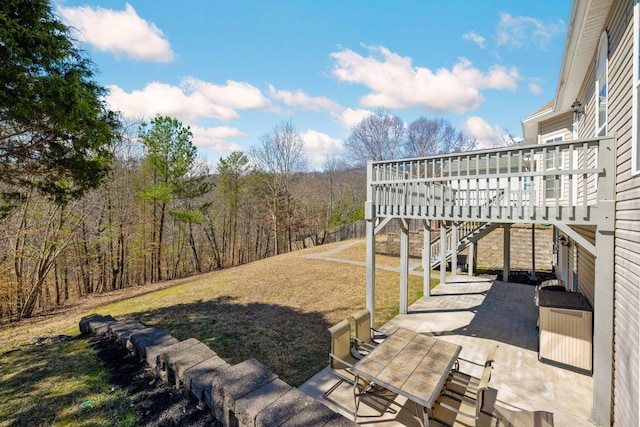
(483, 386)
(491, 356)
(340, 343)
(362, 321)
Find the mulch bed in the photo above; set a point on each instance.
(159, 403)
(521, 276)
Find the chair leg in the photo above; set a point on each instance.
(356, 400)
(326, 394)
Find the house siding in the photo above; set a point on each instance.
(627, 233)
(626, 256)
(586, 264)
(560, 125)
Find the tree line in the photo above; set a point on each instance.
(161, 213)
(91, 202)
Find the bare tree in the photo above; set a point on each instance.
(507, 139)
(429, 137)
(379, 136)
(232, 170)
(278, 156)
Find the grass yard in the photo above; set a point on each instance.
(276, 310)
(62, 384)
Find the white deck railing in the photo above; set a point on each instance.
(556, 182)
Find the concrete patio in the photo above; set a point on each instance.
(477, 313)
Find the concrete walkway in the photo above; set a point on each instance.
(476, 314)
(330, 255)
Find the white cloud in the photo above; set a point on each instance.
(396, 83)
(304, 101)
(350, 117)
(233, 94)
(216, 138)
(487, 136)
(189, 101)
(346, 117)
(319, 146)
(534, 88)
(522, 31)
(476, 38)
(119, 32)
(161, 98)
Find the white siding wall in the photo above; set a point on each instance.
(626, 257)
(586, 264)
(627, 237)
(553, 128)
(560, 125)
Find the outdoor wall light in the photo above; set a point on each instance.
(577, 108)
(563, 241)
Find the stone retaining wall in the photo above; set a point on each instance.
(490, 248)
(244, 395)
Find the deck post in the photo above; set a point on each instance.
(507, 252)
(472, 259)
(443, 252)
(426, 258)
(370, 216)
(454, 248)
(603, 310)
(533, 251)
(404, 266)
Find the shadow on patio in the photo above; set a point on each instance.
(477, 313)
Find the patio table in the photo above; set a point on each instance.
(412, 365)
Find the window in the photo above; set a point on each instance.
(635, 148)
(601, 85)
(552, 183)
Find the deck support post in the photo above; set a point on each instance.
(603, 310)
(443, 252)
(404, 266)
(454, 248)
(370, 217)
(507, 252)
(426, 258)
(533, 251)
(471, 262)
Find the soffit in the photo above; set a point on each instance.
(585, 27)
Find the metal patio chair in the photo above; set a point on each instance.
(341, 362)
(340, 358)
(464, 410)
(465, 385)
(366, 338)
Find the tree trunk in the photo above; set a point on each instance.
(194, 249)
(163, 207)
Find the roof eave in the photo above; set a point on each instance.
(587, 18)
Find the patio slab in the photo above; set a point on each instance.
(478, 313)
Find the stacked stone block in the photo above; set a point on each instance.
(244, 395)
(490, 252)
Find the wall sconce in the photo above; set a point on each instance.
(563, 241)
(577, 108)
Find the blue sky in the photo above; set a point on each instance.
(233, 70)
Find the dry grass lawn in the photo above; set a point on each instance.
(357, 253)
(276, 310)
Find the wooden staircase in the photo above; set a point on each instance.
(467, 233)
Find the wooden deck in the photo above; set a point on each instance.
(541, 183)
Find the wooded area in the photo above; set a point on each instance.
(155, 220)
